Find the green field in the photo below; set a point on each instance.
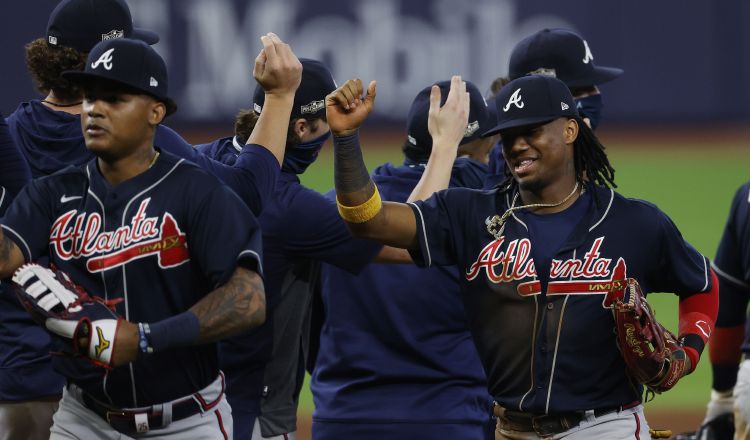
(692, 183)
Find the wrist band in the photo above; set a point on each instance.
(177, 331)
(144, 331)
(361, 213)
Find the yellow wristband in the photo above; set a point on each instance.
(361, 213)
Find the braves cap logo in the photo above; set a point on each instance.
(515, 99)
(105, 59)
(588, 56)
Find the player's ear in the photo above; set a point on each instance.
(570, 131)
(157, 112)
(301, 127)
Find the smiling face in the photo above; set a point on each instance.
(118, 121)
(541, 156)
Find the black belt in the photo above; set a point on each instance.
(545, 424)
(125, 422)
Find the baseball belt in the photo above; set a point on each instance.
(545, 424)
(131, 421)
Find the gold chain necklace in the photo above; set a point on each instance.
(496, 224)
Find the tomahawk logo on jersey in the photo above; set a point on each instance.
(540, 370)
(152, 241)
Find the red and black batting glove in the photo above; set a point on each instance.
(87, 324)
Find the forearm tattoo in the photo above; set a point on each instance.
(353, 183)
(238, 305)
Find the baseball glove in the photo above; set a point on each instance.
(87, 324)
(652, 353)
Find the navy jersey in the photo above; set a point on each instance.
(52, 140)
(554, 351)
(152, 241)
(732, 265)
(299, 225)
(497, 174)
(225, 150)
(395, 345)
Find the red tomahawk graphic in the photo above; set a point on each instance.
(617, 281)
(170, 247)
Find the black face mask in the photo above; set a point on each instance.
(297, 159)
(591, 107)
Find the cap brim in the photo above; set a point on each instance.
(600, 75)
(144, 35)
(78, 77)
(519, 123)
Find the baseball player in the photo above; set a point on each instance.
(565, 55)
(137, 223)
(265, 368)
(729, 407)
(48, 132)
(396, 358)
(535, 257)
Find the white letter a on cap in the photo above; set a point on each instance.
(105, 59)
(515, 99)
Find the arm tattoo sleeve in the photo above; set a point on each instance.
(238, 305)
(353, 183)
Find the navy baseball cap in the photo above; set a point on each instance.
(81, 24)
(418, 135)
(132, 63)
(532, 100)
(310, 97)
(559, 53)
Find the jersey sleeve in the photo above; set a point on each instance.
(680, 268)
(435, 226)
(223, 234)
(252, 177)
(732, 262)
(313, 229)
(28, 220)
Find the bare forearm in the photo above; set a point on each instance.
(436, 176)
(238, 305)
(273, 123)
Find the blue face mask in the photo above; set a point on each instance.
(591, 107)
(297, 159)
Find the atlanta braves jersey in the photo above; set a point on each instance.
(152, 241)
(395, 346)
(553, 350)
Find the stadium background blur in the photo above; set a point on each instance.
(676, 124)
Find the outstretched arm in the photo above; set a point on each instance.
(447, 126)
(359, 203)
(279, 72)
(237, 305)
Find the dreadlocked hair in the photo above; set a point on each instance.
(591, 162)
